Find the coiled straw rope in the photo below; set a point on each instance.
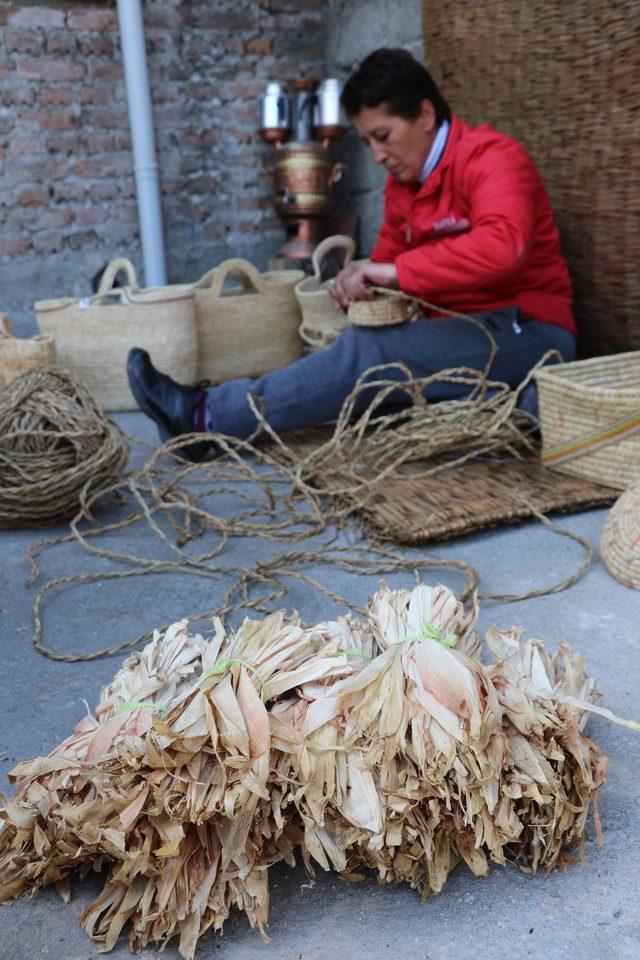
(55, 446)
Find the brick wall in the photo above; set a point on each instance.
(67, 193)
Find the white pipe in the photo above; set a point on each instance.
(144, 149)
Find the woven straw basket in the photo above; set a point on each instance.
(94, 335)
(321, 322)
(17, 355)
(620, 540)
(248, 330)
(382, 311)
(590, 418)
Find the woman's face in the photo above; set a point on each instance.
(401, 145)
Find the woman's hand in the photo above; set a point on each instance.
(354, 283)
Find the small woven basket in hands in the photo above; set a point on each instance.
(620, 540)
(19, 355)
(321, 322)
(382, 311)
(590, 418)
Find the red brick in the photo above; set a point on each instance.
(65, 143)
(61, 45)
(69, 190)
(80, 239)
(37, 17)
(12, 246)
(106, 71)
(97, 168)
(21, 147)
(56, 96)
(27, 170)
(105, 191)
(21, 41)
(110, 117)
(259, 45)
(51, 219)
(92, 20)
(19, 96)
(50, 70)
(96, 46)
(91, 216)
(33, 197)
(95, 95)
(51, 121)
(48, 242)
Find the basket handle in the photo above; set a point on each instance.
(340, 241)
(251, 278)
(112, 271)
(5, 326)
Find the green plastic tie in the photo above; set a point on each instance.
(222, 664)
(139, 705)
(427, 630)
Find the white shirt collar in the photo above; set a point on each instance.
(437, 149)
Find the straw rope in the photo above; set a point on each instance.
(56, 446)
(288, 497)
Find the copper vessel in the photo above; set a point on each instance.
(303, 179)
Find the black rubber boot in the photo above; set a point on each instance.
(172, 406)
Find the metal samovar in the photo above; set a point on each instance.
(304, 171)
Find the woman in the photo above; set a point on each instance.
(467, 226)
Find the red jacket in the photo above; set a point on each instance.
(479, 233)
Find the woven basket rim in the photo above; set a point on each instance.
(148, 296)
(311, 286)
(284, 277)
(560, 375)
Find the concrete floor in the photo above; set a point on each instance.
(588, 911)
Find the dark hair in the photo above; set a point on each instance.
(392, 76)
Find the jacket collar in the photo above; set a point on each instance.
(458, 130)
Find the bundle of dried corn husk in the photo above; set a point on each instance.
(380, 742)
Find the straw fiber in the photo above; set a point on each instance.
(19, 355)
(56, 448)
(620, 541)
(380, 312)
(458, 500)
(564, 79)
(590, 418)
(414, 507)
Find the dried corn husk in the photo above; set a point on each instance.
(379, 743)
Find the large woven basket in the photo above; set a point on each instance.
(93, 335)
(590, 418)
(563, 78)
(321, 322)
(247, 330)
(18, 355)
